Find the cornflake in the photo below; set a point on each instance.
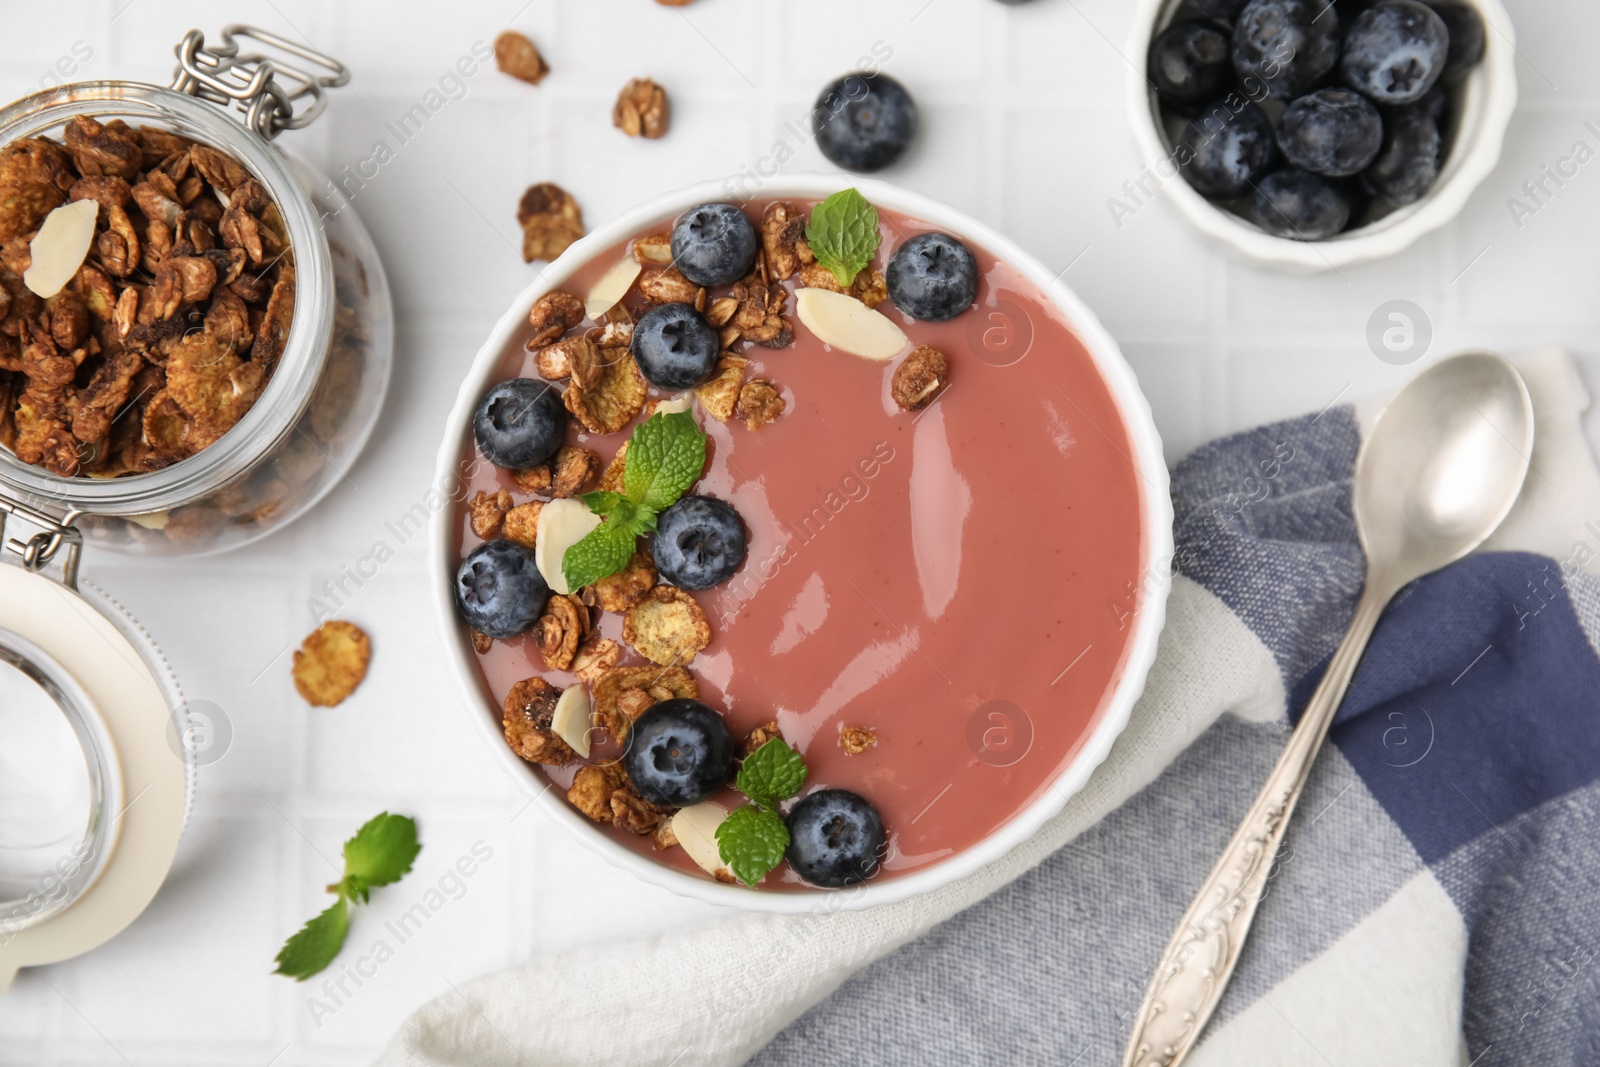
(667, 626)
(330, 663)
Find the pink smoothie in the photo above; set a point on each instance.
(957, 579)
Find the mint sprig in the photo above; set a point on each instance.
(380, 853)
(753, 838)
(843, 234)
(771, 773)
(666, 454)
(752, 841)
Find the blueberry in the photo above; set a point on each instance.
(699, 542)
(1395, 52)
(679, 753)
(1216, 9)
(864, 122)
(1224, 152)
(1435, 103)
(835, 838)
(932, 277)
(1409, 162)
(1284, 47)
(674, 347)
(499, 590)
(1465, 27)
(1332, 131)
(1189, 62)
(1299, 205)
(520, 423)
(714, 244)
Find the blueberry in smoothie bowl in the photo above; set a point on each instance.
(740, 546)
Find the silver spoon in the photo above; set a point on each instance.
(1436, 476)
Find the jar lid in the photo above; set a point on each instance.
(87, 699)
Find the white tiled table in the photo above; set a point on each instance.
(1023, 127)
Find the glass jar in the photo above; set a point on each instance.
(98, 769)
(322, 400)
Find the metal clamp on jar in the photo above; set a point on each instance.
(321, 392)
(98, 767)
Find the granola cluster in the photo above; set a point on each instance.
(171, 327)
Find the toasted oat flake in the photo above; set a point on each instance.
(618, 693)
(667, 626)
(759, 403)
(719, 394)
(330, 663)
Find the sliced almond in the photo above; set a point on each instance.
(695, 827)
(563, 522)
(611, 288)
(571, 719)
(676, 404)
(845, 323)
(58, 249)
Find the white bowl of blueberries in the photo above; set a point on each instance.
(1312, 134)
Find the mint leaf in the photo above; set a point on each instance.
(665, 456)
(604, 551)
(843, 234)
(751, 841)
(315, 945)
(601, 501)
(381, 851)
(771, 773)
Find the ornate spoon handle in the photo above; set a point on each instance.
(1198, 961)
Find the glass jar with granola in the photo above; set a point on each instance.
(195, 330)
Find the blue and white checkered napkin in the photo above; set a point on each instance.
(1437, 901)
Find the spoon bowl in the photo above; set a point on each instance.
(1442, 466)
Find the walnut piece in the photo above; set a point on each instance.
(630, 811)
(857, 739)
(515, 55)
(529, 708)
(665, 285)
(759, 403)
(488, 512)
(667, 626)
(550, 221)
(919, 377)
(641, 109)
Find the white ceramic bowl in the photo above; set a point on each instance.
(483, 710)
(1483, 102)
